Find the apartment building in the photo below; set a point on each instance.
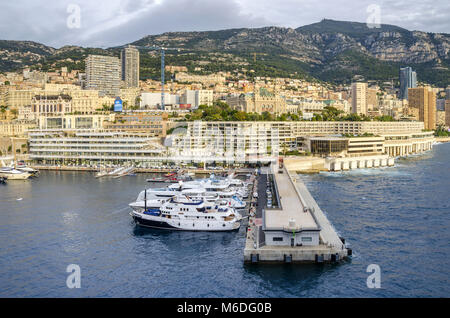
(15, 128)
(423, 99)
(103, 74)
(129, 58)
(359, 98)
(195, 98)
(204, 79)
(447, 112)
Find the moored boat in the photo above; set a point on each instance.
(14, 174)
(183, 213)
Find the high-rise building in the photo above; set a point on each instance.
(359, 98)
(371, 99)
(408, 79)
(447, 112)
(424, 99)
(103, 74)
(129, 57)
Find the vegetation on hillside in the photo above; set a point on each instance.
(221, 111)
(441, 132)
(331, 113)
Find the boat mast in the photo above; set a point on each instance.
(14, 152)
(145, 200)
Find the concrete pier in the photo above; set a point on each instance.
(295, 231)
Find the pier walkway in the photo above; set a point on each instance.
(328, 234)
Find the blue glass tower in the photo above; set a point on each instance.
(408, 79)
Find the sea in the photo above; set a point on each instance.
(395, 219)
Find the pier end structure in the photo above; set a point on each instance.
(295, 231)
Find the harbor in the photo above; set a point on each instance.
(69, 217)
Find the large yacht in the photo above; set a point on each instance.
(184, 213)
(14, 174)
(229, 197)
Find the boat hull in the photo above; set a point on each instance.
(157, 223)
(16, 176)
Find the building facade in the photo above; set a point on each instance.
(51, 104)
(103, 74)
(129, 57)
(94, 147)
(153, 124)
(263, 141)
(359, 98)
(408, 79)
(259, 102)
(424, 100)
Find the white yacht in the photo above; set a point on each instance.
(31, 171)
(176, 190)
(149, 206)
(14, 174)
(182, 213)
(220, 187)
(214, 197)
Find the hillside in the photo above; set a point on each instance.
(329, 50)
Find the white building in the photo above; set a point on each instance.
(103, 74)
(153, 100)
(196, 98)
(359, 100)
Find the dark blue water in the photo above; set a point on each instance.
(397, 218)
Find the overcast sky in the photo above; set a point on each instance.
(105, 23)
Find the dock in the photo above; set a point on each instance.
(295, 230)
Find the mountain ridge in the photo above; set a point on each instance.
(321, 50)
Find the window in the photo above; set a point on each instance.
(306, 239)
(278, 239)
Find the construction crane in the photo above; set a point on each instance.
(163, 50)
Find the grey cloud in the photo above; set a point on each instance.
(114, 22)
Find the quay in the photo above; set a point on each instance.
(137, 170)
(315, 164)
(295, 230)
